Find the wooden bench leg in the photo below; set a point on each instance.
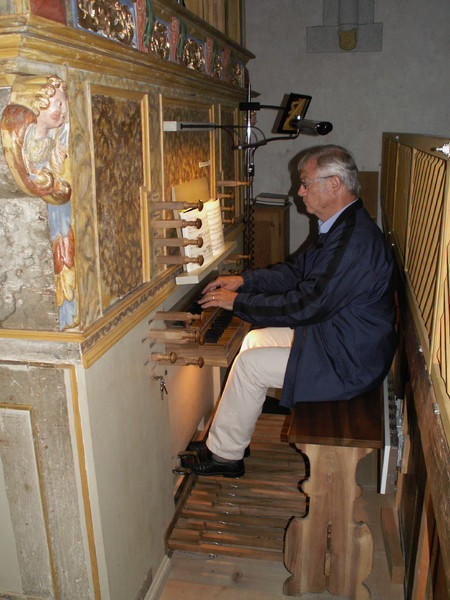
(327, 549)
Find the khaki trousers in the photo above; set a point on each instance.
(260, 364)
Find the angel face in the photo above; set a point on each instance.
(53, 116)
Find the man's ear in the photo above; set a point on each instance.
(336, 183)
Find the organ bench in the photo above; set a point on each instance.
(327, 549)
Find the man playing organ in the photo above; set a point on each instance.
(324, 321)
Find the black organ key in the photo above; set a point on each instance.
(220, 324)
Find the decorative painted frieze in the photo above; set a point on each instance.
(135, 23)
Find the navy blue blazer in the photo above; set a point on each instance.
(338, 296)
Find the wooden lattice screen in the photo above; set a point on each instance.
(424, 232)
(415, 194)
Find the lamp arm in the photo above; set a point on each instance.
(265, 141)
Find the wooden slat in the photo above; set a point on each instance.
(401, 199)
(219, 527)
(258, 520)
(245, 517)
(392, 546)
(248, 495)
(249, 538)
(237, 509)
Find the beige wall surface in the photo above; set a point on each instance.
(135, 436)
(403, 87)
(130, 463)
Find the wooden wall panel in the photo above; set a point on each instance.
(39, 474)
(229, 164)
(185, 151)
(30, 544)
(227, 154)
(389, 176)
(424, 305)
(401, 204)
(117, 135)
(443, 319)
(369, 192)
(425, 231)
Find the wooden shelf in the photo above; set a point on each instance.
(199, 274)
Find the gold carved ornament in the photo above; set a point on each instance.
(108, 17)
(193, 55)
(159, 43)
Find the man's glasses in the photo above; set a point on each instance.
(306, 184)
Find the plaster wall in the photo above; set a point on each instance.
(404, 87)
(129, 466)
(134, 436)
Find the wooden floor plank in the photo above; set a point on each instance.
(197, 576)
(223, 550)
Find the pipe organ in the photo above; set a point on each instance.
(210, 337)
(92, 256)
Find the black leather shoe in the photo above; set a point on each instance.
(202, 450)
(210, 466)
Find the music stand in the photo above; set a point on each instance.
(293, 113)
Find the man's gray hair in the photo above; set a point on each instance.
(333, 160)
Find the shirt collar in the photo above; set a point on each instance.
(325, 226)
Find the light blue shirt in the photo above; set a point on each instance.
(324, 227)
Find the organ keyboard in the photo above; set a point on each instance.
(213, 334)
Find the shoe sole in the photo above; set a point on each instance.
(220, 473)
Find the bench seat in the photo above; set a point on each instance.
(357, 422)
(327, 549)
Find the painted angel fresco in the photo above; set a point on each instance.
(35, 136)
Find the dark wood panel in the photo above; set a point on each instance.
(355, 422)
(433, 439)
(271, 239)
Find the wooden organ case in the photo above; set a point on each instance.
(415, 195)
(90, 253)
